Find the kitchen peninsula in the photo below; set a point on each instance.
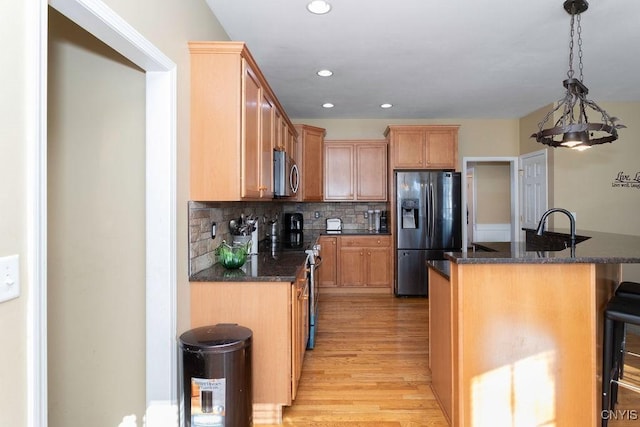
(515, 332)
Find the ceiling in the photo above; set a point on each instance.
(446, 59)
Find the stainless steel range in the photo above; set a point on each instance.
(313, 262)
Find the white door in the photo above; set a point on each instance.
(533, 167)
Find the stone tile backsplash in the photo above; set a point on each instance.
(202, 215)
(352, 214)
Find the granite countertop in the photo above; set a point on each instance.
(275, 262)
(354, 232)
(263, 267)
(442, 266)
(600, 248)
(278, 261)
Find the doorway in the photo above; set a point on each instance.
(496, 230)
(160, 207)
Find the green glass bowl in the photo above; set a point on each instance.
(232, 257)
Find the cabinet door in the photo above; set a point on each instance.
(371, 172)
(279, 139)
(440, 344)
(408, 148)
(251, 150)
(338, 172)
(312, 164)
(299, 330)
(327, 273)
(352, 266)
(378, 267)
(442, 148)
(266, 147)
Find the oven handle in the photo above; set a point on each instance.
(318, 262)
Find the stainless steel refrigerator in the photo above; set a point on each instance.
(428, 223)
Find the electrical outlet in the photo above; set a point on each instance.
(366, 214)
(316, 214)
(9, 278)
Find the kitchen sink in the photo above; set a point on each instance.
(550, 240)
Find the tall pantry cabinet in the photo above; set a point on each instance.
(236, 122)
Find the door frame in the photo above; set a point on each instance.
(160, 192)
(514, 183)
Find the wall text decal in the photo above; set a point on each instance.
(626, 180)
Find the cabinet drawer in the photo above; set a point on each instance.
(365, 241)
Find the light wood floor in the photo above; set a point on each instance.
(370, 368)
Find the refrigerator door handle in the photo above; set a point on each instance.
(432, 217)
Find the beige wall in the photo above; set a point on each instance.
(15, 125)
(583, 181)
(493, 188)
(96, 222)
(475, 137)
(167, 24)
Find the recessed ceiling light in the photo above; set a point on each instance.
(319, 7)
(325, 73)
(327, 105)
(386, 105)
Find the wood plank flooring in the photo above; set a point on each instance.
(369, 367)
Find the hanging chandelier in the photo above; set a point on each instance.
(573, 129)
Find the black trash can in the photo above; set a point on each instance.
(215, 366)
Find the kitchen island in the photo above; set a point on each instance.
(515, 334)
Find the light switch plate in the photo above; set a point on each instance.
(9, 278)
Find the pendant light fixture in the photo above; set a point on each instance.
(573, 129)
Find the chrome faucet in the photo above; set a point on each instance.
(572, 221)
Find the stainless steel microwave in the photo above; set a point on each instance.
(285, 175)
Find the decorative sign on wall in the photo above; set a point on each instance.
(626, 180)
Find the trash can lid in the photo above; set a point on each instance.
(222, 337)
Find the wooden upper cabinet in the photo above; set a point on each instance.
(339, 171)
(235, 119)
(251, 147)
(423, 146)
(266, 146)
(309, 158)
(355, 171)
(371, 171)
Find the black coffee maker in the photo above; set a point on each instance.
(293, 222)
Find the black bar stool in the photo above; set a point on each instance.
(628, 290)
(620, 311)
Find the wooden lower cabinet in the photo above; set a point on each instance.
(328, 271)
(519, 342)
(277, 314)
(300, 322)
(440, 352)
(361, 262)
